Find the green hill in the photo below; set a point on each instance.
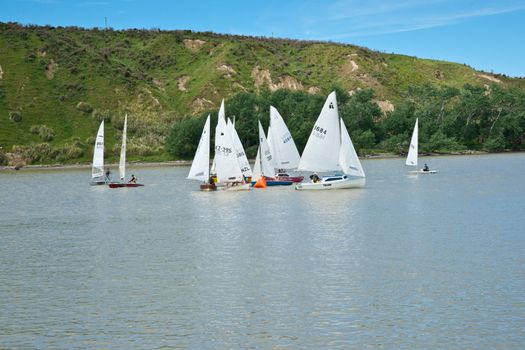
(56, 84)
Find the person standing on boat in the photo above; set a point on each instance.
(425, 168)
(108, 175)
(133, 179)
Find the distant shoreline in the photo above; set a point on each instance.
(188, 162)
(88, 166)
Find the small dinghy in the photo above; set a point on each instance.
(122, 163)
(413, 154)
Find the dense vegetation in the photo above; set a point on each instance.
(57, 84)
(450, 119)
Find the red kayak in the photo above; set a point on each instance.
(119, 184)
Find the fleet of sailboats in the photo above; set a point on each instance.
(329, 151)
(230, 162)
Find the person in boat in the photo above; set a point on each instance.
(133, 179)
(315, 178)
(425, 168)
(108, 175)
(210, 180)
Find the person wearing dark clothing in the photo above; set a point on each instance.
(108, 175)
(314, 177)
(133, 179)
(425, 168)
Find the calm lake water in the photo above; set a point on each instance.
(409, 262)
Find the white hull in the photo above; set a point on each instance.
(347, 182)
(423, 172)
(233, 186)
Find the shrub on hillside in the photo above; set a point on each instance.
(67, 152)
(84, 107)
(15, 116)
(45, 132)
(35, 129)
(3, 159)
(140, 150)
(33, 153)
(99, 115)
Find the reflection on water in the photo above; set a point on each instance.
(408, 262)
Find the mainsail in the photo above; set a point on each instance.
(122, 163)
(97, 170)
(200, 167)
(348, 159)
(413, 149)
(321, 152)
(227, 166)
(264, 161)
(239, 151)
(282, 145)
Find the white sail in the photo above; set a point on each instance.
(348, 159)
(222, 113)
(239, 151)
(97, 169)
(266, 159)
(257, 166)
(122, 163)
(321, 152)
(282, 146)
(213, 169)
(200, 167)
(227, 166)
(270, 145)
(413, 149)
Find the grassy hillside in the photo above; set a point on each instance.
(60, 82)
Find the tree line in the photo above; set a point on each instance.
(489, 118)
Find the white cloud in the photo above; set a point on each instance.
(376, 17)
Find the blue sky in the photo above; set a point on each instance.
(485, 34)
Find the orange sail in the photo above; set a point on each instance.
(261, 183)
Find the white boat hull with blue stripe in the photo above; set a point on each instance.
(333, 182)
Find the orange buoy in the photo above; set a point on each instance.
(261, 183)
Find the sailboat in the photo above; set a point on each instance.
(329, 148)
(263, 170)
(122, 162)
(282, 147)
(229, 173)
(244, 164)
(413, 153)
(200, 167)
(97, 169)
